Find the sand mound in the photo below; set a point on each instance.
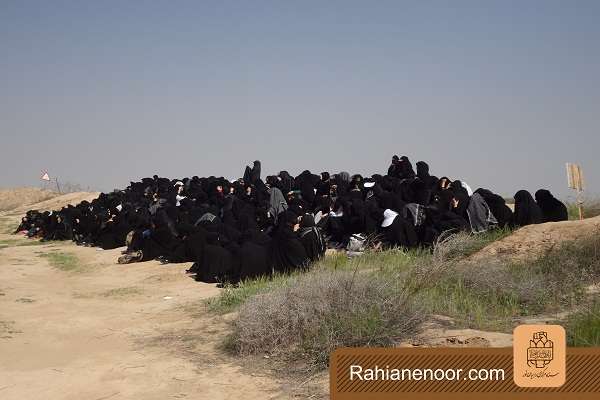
(54, 203)
(534, 240)
(13, 198)
(63, 200)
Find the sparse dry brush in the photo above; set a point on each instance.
(372, 300)
(374, 303)
(492, 294)
(320, 311)
(380, 298)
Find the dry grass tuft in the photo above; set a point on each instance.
(122, 292)
(584, 327)
(591, 208)
(322, 310)
(493, 294)
(64, 261)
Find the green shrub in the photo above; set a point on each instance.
(233, 296)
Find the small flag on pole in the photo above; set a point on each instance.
(45, 176)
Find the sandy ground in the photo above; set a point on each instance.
(441, 332)
(16, 197)
(54, 202)
(141, 331)
(534, 240)
(107, 331)
(138, 331)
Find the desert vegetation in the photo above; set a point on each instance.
(63, 261)
(380, 298)
(583, 327)
(16, 242)
(494, 295)
(591, 208)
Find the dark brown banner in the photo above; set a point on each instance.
(467, 373)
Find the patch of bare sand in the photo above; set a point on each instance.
(534, 240)
(441, 332)
(16, 197)
(110, 331)
(54, 203)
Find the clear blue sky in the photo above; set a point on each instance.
(500, 94)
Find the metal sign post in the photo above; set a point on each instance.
(46, 178)
(576, 182)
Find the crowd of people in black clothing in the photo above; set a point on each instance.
(250, 227)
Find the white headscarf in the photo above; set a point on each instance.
(388, 218)
(179, 198)
(467, 188)
(318, 217)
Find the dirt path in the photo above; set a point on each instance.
(107, 331)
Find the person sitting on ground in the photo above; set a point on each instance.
(527, 211)
(498, 207)
(287, 252)
(553, 210)
(311, 238)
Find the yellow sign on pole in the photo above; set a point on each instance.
(576, 182)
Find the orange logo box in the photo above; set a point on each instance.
(540, 356)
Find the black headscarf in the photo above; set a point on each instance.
(255, 171)
(527, 211)
(460, 194)
(287, 252)
(552, 208)
(311, 238)
(423, 174)
(394, 168)
(498, 206)
(406, 169)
